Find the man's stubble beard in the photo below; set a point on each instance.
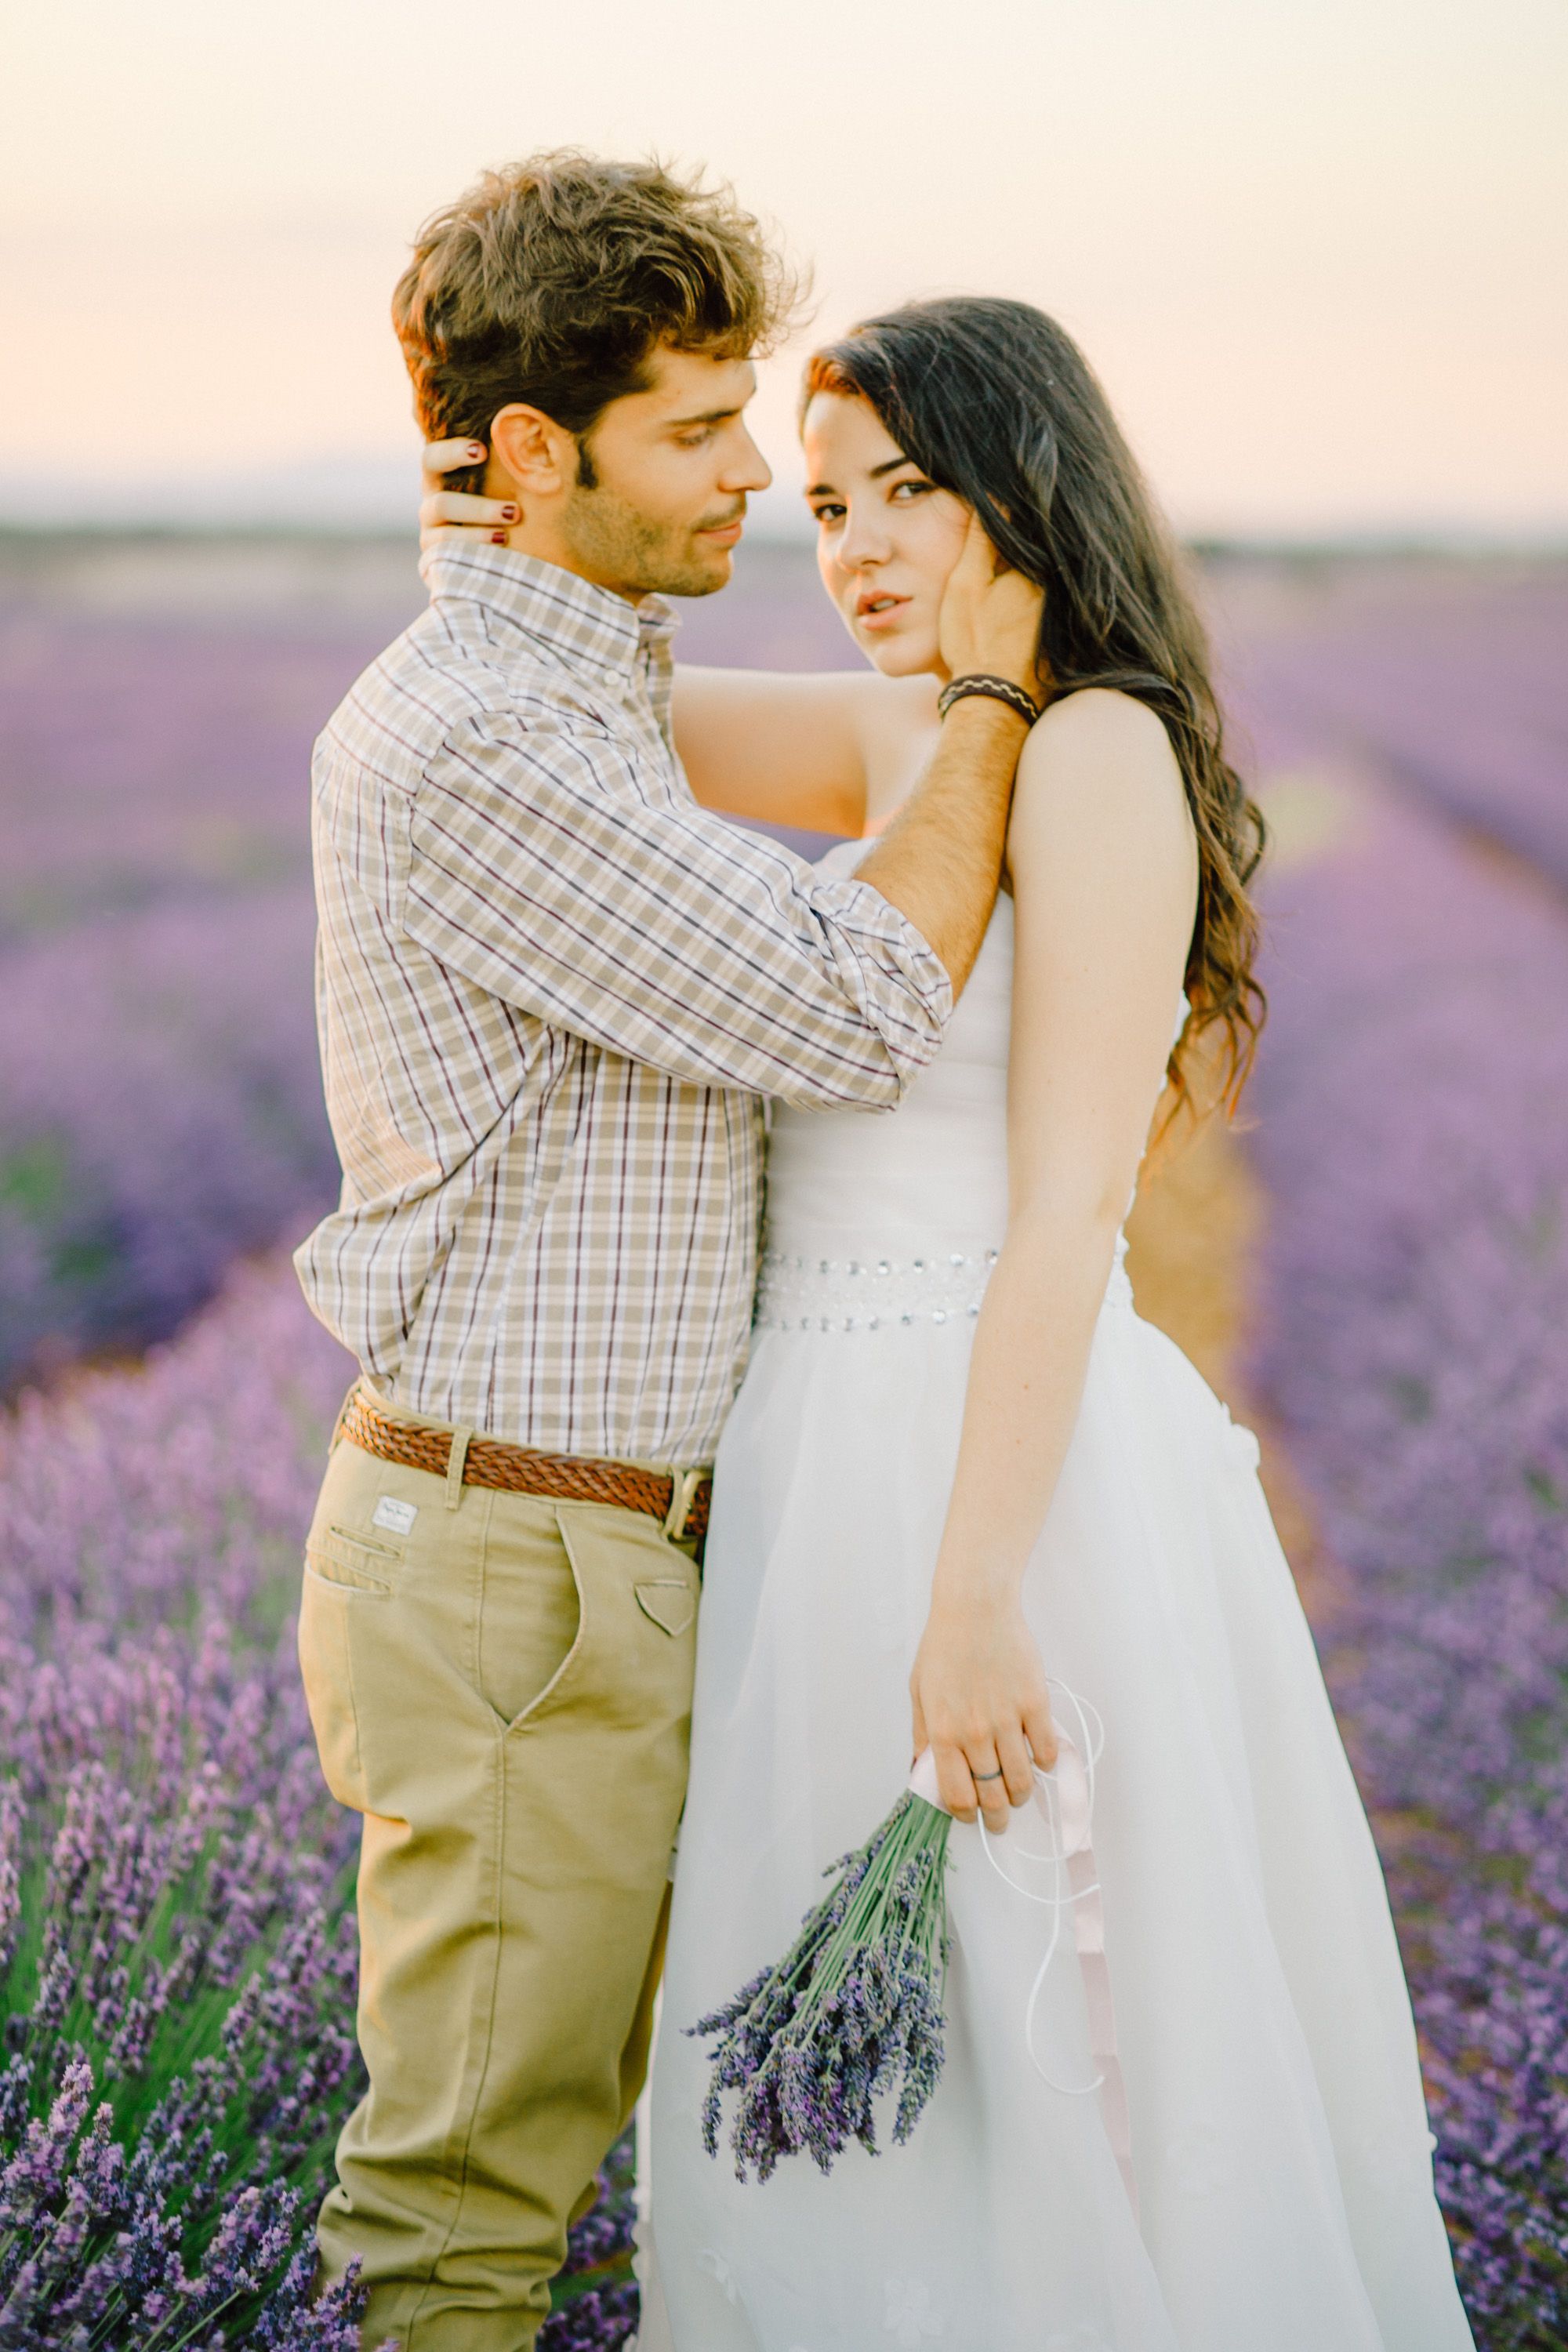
(623, 547)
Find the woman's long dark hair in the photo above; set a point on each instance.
(997, 405)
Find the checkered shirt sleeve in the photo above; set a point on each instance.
(538, 871)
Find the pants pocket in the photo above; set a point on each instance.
(340, 1558)
(668, 1601)
(640, 1596)
(530, 1612)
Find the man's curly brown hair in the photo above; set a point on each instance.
(554, 281)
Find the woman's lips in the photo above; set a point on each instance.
(879, 612)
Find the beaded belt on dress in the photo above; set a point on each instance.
(798, 1292)
(851, 1293)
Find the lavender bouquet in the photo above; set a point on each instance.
(810, 2043)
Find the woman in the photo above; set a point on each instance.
(957, 1444)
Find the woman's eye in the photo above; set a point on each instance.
(916, 489)
(827, 513)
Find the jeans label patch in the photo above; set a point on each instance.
(397, 1517)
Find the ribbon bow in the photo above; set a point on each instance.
(1064, 1797)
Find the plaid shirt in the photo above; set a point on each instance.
(551, 992)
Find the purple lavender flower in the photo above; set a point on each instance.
(600, 2321)
(811, 2044)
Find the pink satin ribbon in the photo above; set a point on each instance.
(1073, 1776)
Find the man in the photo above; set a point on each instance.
(552, 993)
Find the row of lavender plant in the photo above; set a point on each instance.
(160, 1108)
(1412, 1111)
(178, 1970)
(1450, 676)
(161, 1114)
(176, 1939)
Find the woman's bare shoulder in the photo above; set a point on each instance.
(1104, 746)
(1101, 721)
(1099, 786)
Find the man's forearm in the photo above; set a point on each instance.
(941, 860)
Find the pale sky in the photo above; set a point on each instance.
(1318, 249)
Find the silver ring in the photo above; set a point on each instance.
(985, 1776)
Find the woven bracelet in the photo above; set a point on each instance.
(995, 689)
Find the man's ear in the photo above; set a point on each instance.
(538, 455)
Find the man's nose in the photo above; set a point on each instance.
(747, 469)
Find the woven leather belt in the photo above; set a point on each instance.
(680, 1502)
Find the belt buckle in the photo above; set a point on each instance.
(683, 1485)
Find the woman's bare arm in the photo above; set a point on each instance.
(828, 750)
(1104, 868)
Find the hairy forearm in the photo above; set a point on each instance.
(1025, 1382)
(941, 859)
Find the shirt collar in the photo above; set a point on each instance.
(577, 619)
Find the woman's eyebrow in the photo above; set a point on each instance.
(889, 465)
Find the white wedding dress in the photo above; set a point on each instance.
(1280, 2139)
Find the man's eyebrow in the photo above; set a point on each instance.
(707, 416)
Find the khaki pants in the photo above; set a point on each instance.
(502, 1686)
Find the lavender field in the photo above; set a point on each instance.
(173, 1878)
(1411, 1128)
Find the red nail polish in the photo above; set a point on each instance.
(476, 451)
(498, 539)
(509, 514)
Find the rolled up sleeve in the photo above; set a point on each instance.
(538, 871)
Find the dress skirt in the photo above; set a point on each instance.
(1280, 2138)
